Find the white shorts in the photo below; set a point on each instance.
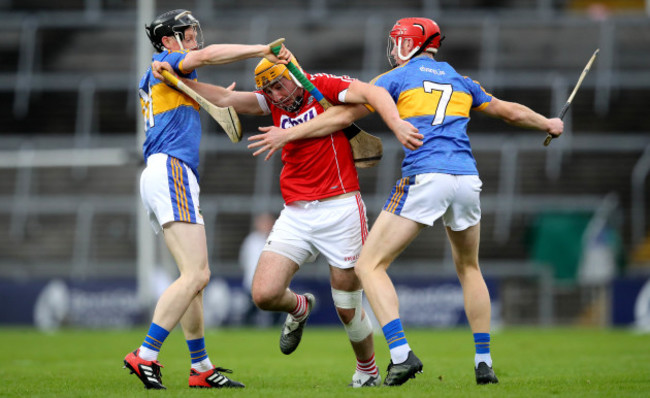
(169, 192)
(426, 197)
(336, 228)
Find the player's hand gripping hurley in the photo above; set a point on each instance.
(573, 93)
(226, 117)
(366, 148)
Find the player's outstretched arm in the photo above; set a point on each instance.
(522, 116)
(217, 54)
(379, 99)
(335, 118)
(243, 102)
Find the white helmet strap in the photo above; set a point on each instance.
(407, 56)
(177, 35)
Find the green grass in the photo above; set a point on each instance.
(528, 362)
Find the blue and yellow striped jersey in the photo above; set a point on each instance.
(171, 118)
(434, 98)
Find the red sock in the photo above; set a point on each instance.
(301, 307)
(368, 366)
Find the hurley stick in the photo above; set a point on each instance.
(573, 93)
(366, 148)
(226, 117)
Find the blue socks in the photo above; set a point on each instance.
(197, 350)
(199, 355)
(396, 339)
(482, 344)
(155, 338)
(152, 342)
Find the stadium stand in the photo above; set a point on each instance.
(68, 78)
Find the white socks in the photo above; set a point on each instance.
(148, 354)
(203, 366)
(399, 353)
(478, 358)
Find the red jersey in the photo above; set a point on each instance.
(315, 168)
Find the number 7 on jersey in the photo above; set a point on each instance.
(444, 91)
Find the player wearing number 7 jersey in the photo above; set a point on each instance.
(439, 180)
(435, 99)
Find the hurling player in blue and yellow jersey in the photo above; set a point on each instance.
(439, 181)
(170, 192)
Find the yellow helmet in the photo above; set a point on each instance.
(266, 72)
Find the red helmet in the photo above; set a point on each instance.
(424, 32)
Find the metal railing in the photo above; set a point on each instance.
(29, 78)
(505, 203)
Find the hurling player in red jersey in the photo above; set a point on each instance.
(323, 211)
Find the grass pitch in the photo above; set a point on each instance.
(528, 362)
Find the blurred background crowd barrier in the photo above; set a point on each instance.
(564, 231)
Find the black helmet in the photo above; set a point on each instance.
(172, 23)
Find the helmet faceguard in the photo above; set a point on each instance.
(424, 32)
(268, 75)
(174, 23)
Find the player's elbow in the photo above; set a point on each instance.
(514, 114)
(513, 118)
(349, 114)
(347, 117)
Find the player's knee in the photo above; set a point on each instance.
(345, 314)
(264, 298)
(467, 268)
(199, 278)
(360, 271)
(204, 277)
(363, 269)
(257, 296)
(350, 310)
